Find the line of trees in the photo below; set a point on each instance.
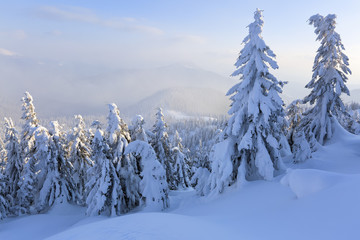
(109, 171)
(114, 170)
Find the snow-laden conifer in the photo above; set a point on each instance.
(14, 165)
(117, 133)
(31, 156)
(294, 113)
(104, 193)
(352, 122)
(4, 203)
(31, 122)
(301, 147)
(137, 131)
(153, 185)
(2, 156)
(161, 144)
(200, 178)
(250, 149)
(296, 136)
(118, 137)
(58, 186)
(34, 172)
(180, 166)
(79, 156)
(328, 81)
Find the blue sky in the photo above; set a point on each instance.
(147, 33)
(101, 36)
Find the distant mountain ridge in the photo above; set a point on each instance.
(189, 101)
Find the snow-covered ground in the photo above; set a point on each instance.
(319, 199)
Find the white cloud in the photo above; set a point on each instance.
(73, 14)
(87, 16)
(188, 38)
(6, 52)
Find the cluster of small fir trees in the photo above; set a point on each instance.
(110, 171)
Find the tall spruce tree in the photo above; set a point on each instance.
(31, 122)
(4, 203)
(328, 81)
(153, 186)
(58, 185)
(294, 113)
(201, 175)
(34, 173)
(29, 178)
(2, 156)
(161, 144)
(300, 147)
(137, 131)
(14, 165)
(104, 192)
(118, 137)
(250, 146)
(79, 153)
(180, 167)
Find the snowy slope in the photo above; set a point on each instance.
(318, 199)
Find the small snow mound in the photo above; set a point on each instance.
(304, 182)
(340, 134)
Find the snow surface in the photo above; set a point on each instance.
(317, 199)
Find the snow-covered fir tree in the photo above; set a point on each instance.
(352, 123)
(118, 137)
(31, 122)
(250, 146)
(301, 148)
(328, 81)
(295, 135)
(104, 192)
(351, 120)
(2, 156)
(137, 131)
(25, 195)
(14, 163)
(79, 151)
(161, 144)
(29, 179)
(153, 185)
(294, 113)
(58, 186)
(34, 172)
(4, 203)
(117, 134)
(200, 178)
(180, 166)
